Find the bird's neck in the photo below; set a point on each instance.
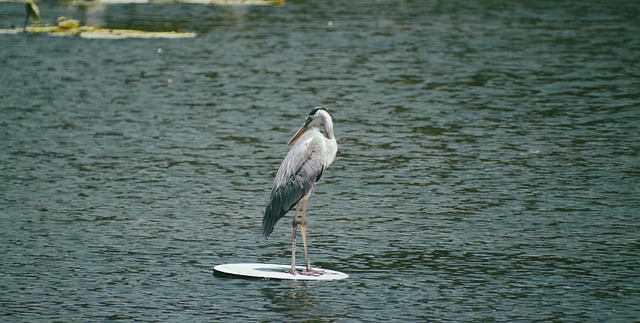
(328, 126)
(328, 131)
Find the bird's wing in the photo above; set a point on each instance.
(301, 169)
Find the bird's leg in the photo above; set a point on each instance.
(303, 232)
(294, 232)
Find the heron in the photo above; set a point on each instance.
(32, 11)
(312, 152)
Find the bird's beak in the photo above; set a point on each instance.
(295, 137)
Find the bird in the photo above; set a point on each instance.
(32, 11)
(311, 154)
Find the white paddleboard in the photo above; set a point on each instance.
(271, 271)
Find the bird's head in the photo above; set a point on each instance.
(318, 116)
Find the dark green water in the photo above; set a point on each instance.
(488, 165)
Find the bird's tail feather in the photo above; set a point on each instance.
(275, 210)
(271, 216)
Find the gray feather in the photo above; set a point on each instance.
(300, 170)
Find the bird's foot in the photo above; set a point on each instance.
(293, 271)
(311, 272)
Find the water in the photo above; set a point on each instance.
(488, 165)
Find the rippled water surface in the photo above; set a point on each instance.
(488, 165)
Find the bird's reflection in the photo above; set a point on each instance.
(296, 300)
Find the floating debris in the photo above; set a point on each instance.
(66, 23)
(102, 33)
(106, 33)
(71, 27)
